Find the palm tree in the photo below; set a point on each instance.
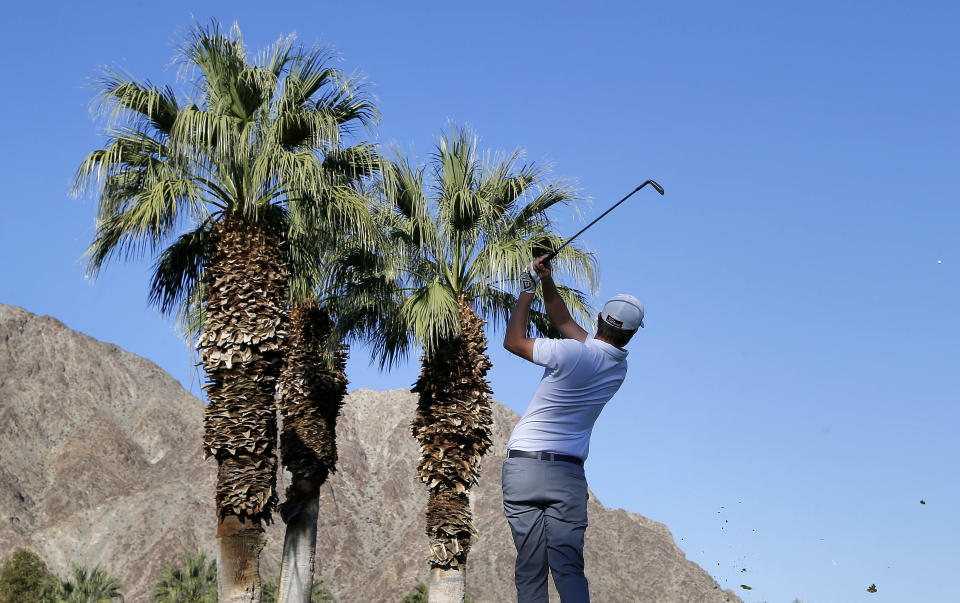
(313, 383)
(458, 242)
(196, 582)
(86, 585)
(226, 191)
(310, 394)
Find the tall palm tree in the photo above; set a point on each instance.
(226, 190)
(88, 585)
(310, 392)
(457, 235)
(195, 582)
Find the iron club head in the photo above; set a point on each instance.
(655, 185)
(554, 253)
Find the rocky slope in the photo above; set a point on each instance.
(100, 463)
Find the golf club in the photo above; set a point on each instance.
(554, 253)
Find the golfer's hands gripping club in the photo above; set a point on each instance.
(531, 275)
(540, 267)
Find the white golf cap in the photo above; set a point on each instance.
(623, 311)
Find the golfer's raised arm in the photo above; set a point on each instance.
(515, 340)
(556, 309)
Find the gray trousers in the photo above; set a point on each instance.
(546, 506)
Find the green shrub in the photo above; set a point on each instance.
(25, 579)
(421, 591)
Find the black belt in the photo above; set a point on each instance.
(545, 456)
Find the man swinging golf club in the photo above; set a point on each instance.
(544, 487)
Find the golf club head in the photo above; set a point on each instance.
(554, 253)
(655, 185)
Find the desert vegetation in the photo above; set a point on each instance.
(24, 578)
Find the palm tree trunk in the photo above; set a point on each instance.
(447, 585)
(240, 347)
(310, 395)
(238, 560)
(452, 426)
(299, 553)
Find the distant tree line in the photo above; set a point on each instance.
(26, 579)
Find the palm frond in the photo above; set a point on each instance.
(141, 222)
(431, 314)
(230, 86)
(472, 237)
(120, 95)
(178, 270)
(309, 73)
(348, 103)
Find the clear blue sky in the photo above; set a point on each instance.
(795, 393)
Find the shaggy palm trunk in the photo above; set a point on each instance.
(310, 395)
(240, 347)
(452, 426)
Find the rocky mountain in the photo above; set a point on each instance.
(100, 463)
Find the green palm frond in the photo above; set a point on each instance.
(194, 582)
(216, 142)
(431, 312)
(178, 270)
(348, 105)
(142, 224)
(359, 161)
(89, 585)
(467, 231)
(259, 135)
(123, 96)
(547, 197)
(231, 86)
(309, 74)
(499, 192)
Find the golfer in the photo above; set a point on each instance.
(544, 487)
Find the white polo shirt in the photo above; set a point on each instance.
(578, 381)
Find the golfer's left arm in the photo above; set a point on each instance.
(516, 340)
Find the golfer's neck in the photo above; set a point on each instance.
(598, 338)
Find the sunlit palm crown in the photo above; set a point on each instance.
(464, 226)
(262, 139)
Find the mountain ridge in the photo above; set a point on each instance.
(100, 463)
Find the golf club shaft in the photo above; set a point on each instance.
(554, 253)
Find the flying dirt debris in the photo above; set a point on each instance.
(923, 502)
(872, 588)
(745, 587)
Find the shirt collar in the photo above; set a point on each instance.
(610, 349)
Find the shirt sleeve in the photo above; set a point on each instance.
(544, 352)
(548, 353)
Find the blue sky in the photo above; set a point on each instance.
(794, 395)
